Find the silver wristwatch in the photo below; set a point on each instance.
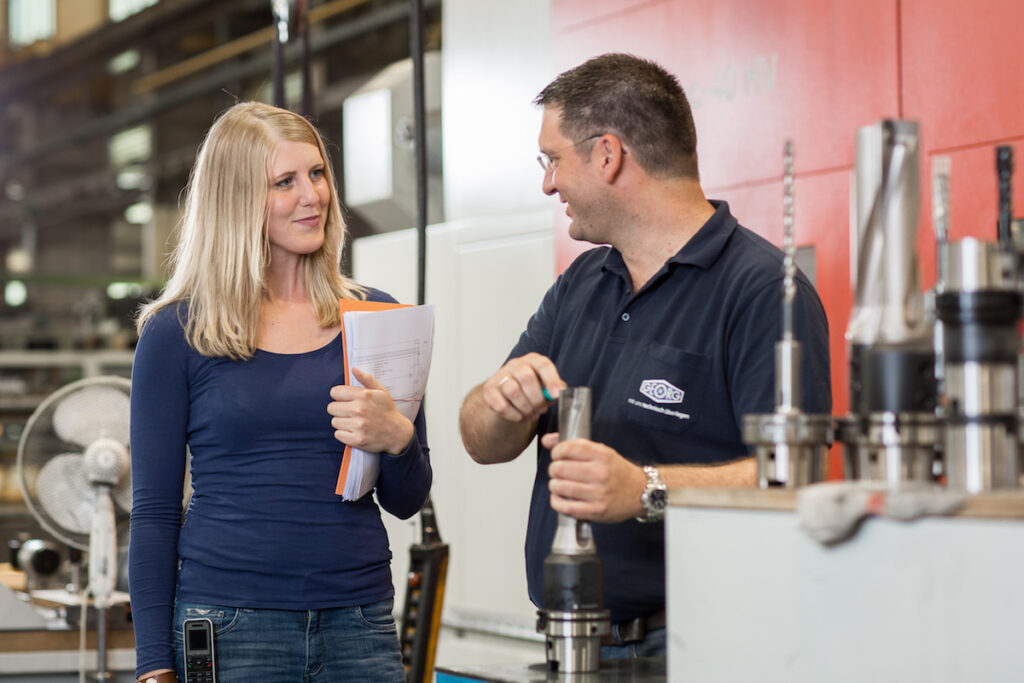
(655, 496)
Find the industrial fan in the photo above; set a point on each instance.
(74, 471)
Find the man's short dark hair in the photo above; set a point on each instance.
(635, 99)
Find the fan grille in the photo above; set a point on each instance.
(50, 456)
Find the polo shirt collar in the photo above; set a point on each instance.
(703, 248)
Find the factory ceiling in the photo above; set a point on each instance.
(98, 133)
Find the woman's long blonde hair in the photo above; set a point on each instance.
(220, 262)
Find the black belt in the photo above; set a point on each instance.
(634, 630)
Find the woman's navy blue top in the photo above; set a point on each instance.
(264, 527)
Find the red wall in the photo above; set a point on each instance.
(814, 71)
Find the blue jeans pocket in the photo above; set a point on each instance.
(378, 616)
(224, 618)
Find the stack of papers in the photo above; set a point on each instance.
(393, 343)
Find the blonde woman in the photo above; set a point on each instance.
(239, 361)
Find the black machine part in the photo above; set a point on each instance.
(979, 326)
(424, 597)
(892, 378)
(573, 582)
(41, 558)
(34, 556)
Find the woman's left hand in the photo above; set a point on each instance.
(366, 418)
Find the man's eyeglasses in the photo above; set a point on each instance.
(549, 165)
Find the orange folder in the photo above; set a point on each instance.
(346, 306)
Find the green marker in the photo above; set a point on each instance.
(544, 390)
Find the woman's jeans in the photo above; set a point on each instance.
(283, 646)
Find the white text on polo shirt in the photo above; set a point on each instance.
(659, 409)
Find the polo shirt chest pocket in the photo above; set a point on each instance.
(666, 387)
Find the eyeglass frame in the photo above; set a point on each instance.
(549, 165)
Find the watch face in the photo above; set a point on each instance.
(655, 499)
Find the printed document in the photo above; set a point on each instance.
(393, 345)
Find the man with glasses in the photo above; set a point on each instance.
(672, 326)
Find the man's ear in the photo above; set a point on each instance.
(611, 151)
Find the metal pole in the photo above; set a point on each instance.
(307, 77)
(101, 639)
(428, 569)
(280, 14)
(416, 21)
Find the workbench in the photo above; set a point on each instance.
(751, 596)
(52, 656)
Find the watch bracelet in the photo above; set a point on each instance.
(654, 481)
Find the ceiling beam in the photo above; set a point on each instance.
(241, 45)
(66, 61)
(211, 81)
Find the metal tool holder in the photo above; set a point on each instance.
(892, 433)
(573, 618)
(978, 303)
(791, 446)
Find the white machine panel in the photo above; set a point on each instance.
(753, 597)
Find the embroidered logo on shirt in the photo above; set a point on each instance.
(661, 391)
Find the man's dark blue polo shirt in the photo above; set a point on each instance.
(672, 369)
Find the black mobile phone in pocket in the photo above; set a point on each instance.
(200, 665)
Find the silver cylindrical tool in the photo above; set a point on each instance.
(892, 361)
(791, 446)
(890, 447)
(888, 307)
(791, 449)
(573, 618)
(979, 304)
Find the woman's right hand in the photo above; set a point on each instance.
(366, 418)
